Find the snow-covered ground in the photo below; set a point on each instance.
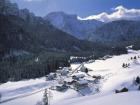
(130, 98)
(114, 76)
(14, 89)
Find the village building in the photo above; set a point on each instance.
(78, 76)
(80, 84)
(51, 76)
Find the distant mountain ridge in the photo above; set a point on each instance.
(22, 30)
(115, 33)
(72, 25)
(58, 32)
(118, 32)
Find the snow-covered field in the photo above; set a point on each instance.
(114, 76)
(130, 98)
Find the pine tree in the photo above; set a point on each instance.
(135, 57)
(124, 90)
(123, 65)
(45, 98)
(126, 65)
(138, 80)
(86, 70)
(0, 96)
(139, 88)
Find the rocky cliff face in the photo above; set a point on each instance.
(8, 8)
(72, 25)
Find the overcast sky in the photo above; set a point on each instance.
(82, 8)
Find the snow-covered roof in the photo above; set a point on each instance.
(52, 74)
(82, 82)
(89, 78)
(68, 79)
(79, 75)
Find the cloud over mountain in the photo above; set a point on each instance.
(120, 13)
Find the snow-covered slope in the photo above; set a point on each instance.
(30, 92)
(114, 76)
(130, 98)
(72, 25)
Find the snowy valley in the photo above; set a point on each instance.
(103, 83)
